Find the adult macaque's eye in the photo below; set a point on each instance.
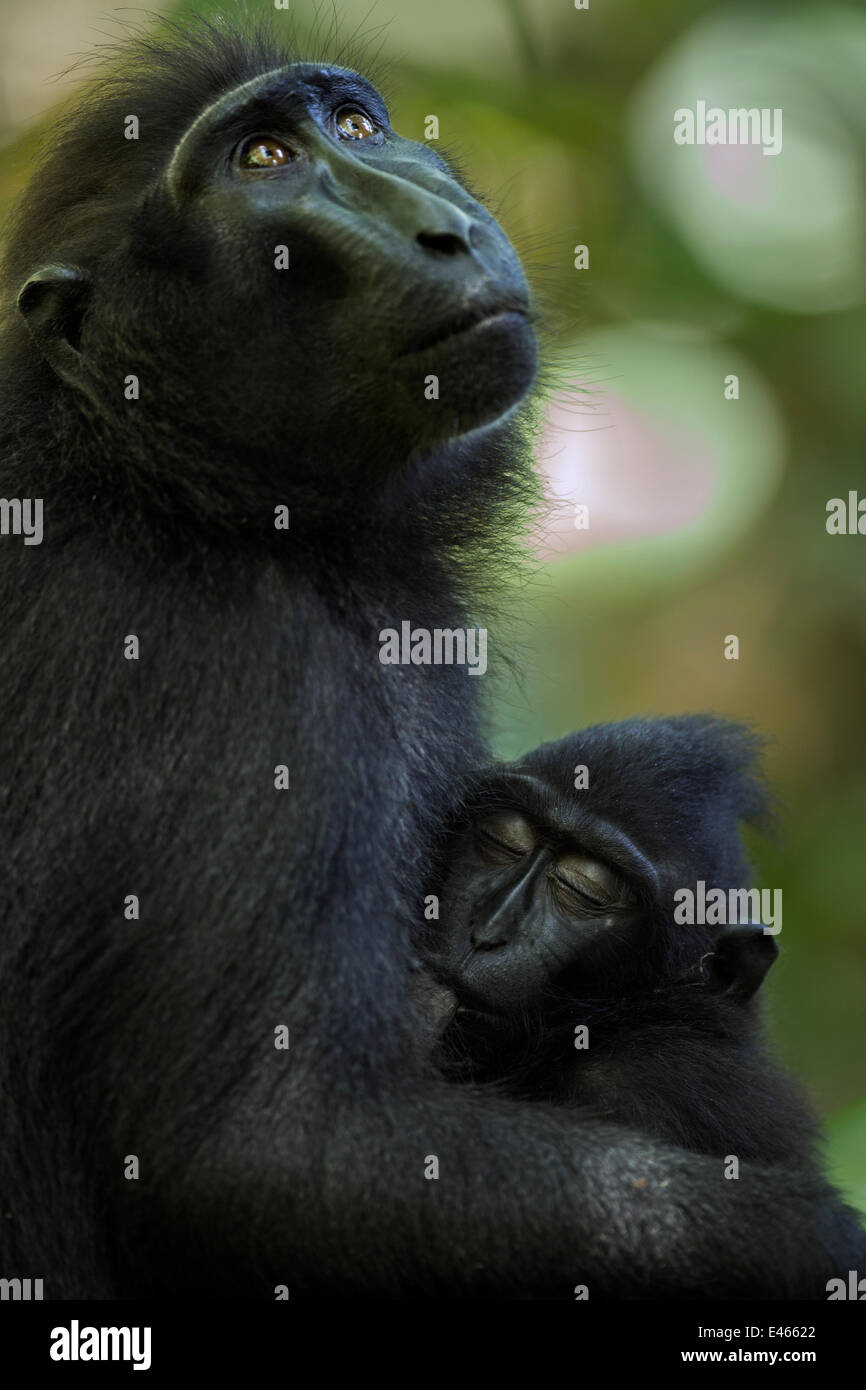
(354, 124)
(264, 152)
(589, 878)
(507, 830)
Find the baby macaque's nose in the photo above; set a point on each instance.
(492, 934)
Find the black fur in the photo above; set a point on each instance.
(683, 1064)
(155, 777)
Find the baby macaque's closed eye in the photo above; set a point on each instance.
(505, 833)
(590, 879)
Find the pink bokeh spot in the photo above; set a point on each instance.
(639, 475)
(738, 172)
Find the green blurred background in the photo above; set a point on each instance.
(706, 514)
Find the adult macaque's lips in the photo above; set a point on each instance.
(459, 324)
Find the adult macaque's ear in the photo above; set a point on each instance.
(738, 966)
(53, 303)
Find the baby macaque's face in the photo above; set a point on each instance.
(522, 910)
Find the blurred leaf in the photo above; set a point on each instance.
(847, 1153)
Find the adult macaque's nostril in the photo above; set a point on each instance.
(446, 242)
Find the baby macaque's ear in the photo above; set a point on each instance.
(742, 957)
